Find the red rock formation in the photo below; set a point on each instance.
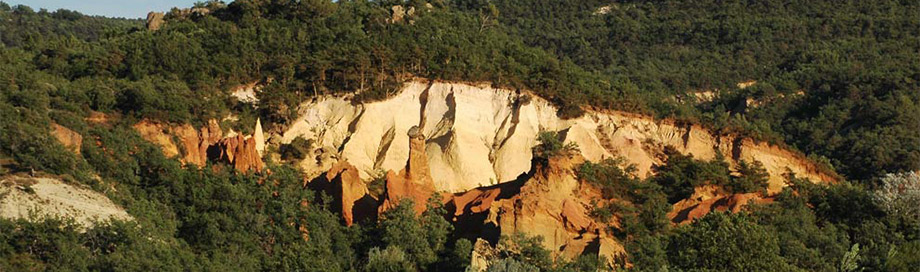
(188, 140)
(241, 153)
(707, 199)
(350, 192)
(550, 202)
(575, 217)
(474, 201)
(414, 182)
(72, 140)
(195, 143)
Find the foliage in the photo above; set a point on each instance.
(680, 174)
(899, 195)
(830, 77)
(609, 175)
(298, 149)
(752, 177)
(391, 259)
(726, 243)
(550, 145)
(832, 80)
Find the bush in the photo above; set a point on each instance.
(752, 178)
(550, 145)
(609, 175)
(391, 259)
(899, 195)
(725, 242)
(682, 173)
(297, 150)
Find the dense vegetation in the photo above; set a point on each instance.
(809, 227)
(837, 80)
(834, 78)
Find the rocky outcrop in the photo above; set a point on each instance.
(549, 202)
(36, 198)
(246, 93)
(350, 193)
(240, 152)
(399, 13)
(206, 143)
(195, 143)
(155, 20)
(709, 198)
(481, 136)
(158, 134)
(72, 140)
(413, 182)
(259, 137)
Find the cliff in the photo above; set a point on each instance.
(37, 198)
(549, 201)
(206, 143)
(482, 136)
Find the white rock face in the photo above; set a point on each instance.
(40, 198)
(478, 135)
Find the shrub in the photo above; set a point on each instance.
(391, 259)
(552, 146)
(298, 149)
(899, 195)
(752, 178)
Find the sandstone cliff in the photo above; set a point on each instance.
(208, 142)
(481, 136)
(549, 202)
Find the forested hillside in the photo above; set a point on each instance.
(836, 80)
(836, 76)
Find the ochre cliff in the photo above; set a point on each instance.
(208, 142)
(549, 202)
(195, 143)
(481, 136)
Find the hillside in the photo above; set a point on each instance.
(462, 135)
